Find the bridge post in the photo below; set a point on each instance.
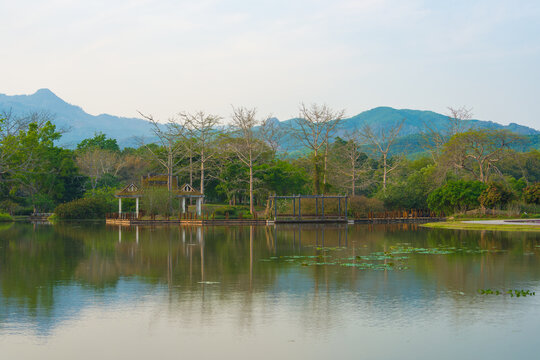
(346, 209)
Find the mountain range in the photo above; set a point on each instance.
(80, 125)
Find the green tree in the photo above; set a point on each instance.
(495, 194)
(412, 192)
(99, 141)
(454, 196)
(283, 178)
(531, 194)
(477, 152)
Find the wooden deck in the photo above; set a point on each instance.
(200, 222)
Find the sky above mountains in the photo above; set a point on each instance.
(162, 57)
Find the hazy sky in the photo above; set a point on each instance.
(162, 57)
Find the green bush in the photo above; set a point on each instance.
(158, 201)
(454, 196)
(494, 195)
(85, 208)
(8, 206)
(233, 211)
(5, 217)
(531, 194)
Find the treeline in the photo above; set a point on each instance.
(243, 163)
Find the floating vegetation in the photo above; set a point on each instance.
(370, 266)
(330, 248)
(434, 251)
(512, 293)
(393, 259)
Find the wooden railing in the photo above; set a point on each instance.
(401, 214)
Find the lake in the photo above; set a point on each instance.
(93, 291)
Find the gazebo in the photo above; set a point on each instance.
(186, 191)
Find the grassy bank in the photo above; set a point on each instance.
(5, 217)
(468, 226)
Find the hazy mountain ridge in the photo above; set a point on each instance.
(414, 123)
(82, 125)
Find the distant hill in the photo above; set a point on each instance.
(81, 125)
(414, 123)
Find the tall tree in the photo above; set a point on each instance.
(96, 162)
(315, 125)
(13, 128)
(381, 142)
(202, 128)
(99, 141)
(435, 138)
(477, 152)
(170, 150)
(248, 144)
(349, 161)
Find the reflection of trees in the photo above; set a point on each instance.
(33, 261)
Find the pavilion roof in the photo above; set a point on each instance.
(133, 191)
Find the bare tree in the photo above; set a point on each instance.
(316, 124)
(272, 134)
(248, 145)
(97, 162)
(346, 164)
(477, 152)
(381, 141)
(434, 138)
(170, 152)
(201, 127)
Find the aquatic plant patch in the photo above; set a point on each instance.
(394, 259)
(512, 293)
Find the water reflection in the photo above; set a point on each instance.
(208, 277)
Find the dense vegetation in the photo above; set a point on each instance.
(457, 171)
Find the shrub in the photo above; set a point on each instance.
(531, 194)
(85, 208)
(157, 201)
(5, 217)
(8, 206)
(43, 203)
(456, 196)
(494, 194)
(233, 211)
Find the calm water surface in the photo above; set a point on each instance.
(90, 291)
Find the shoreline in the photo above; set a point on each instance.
(493, 225)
